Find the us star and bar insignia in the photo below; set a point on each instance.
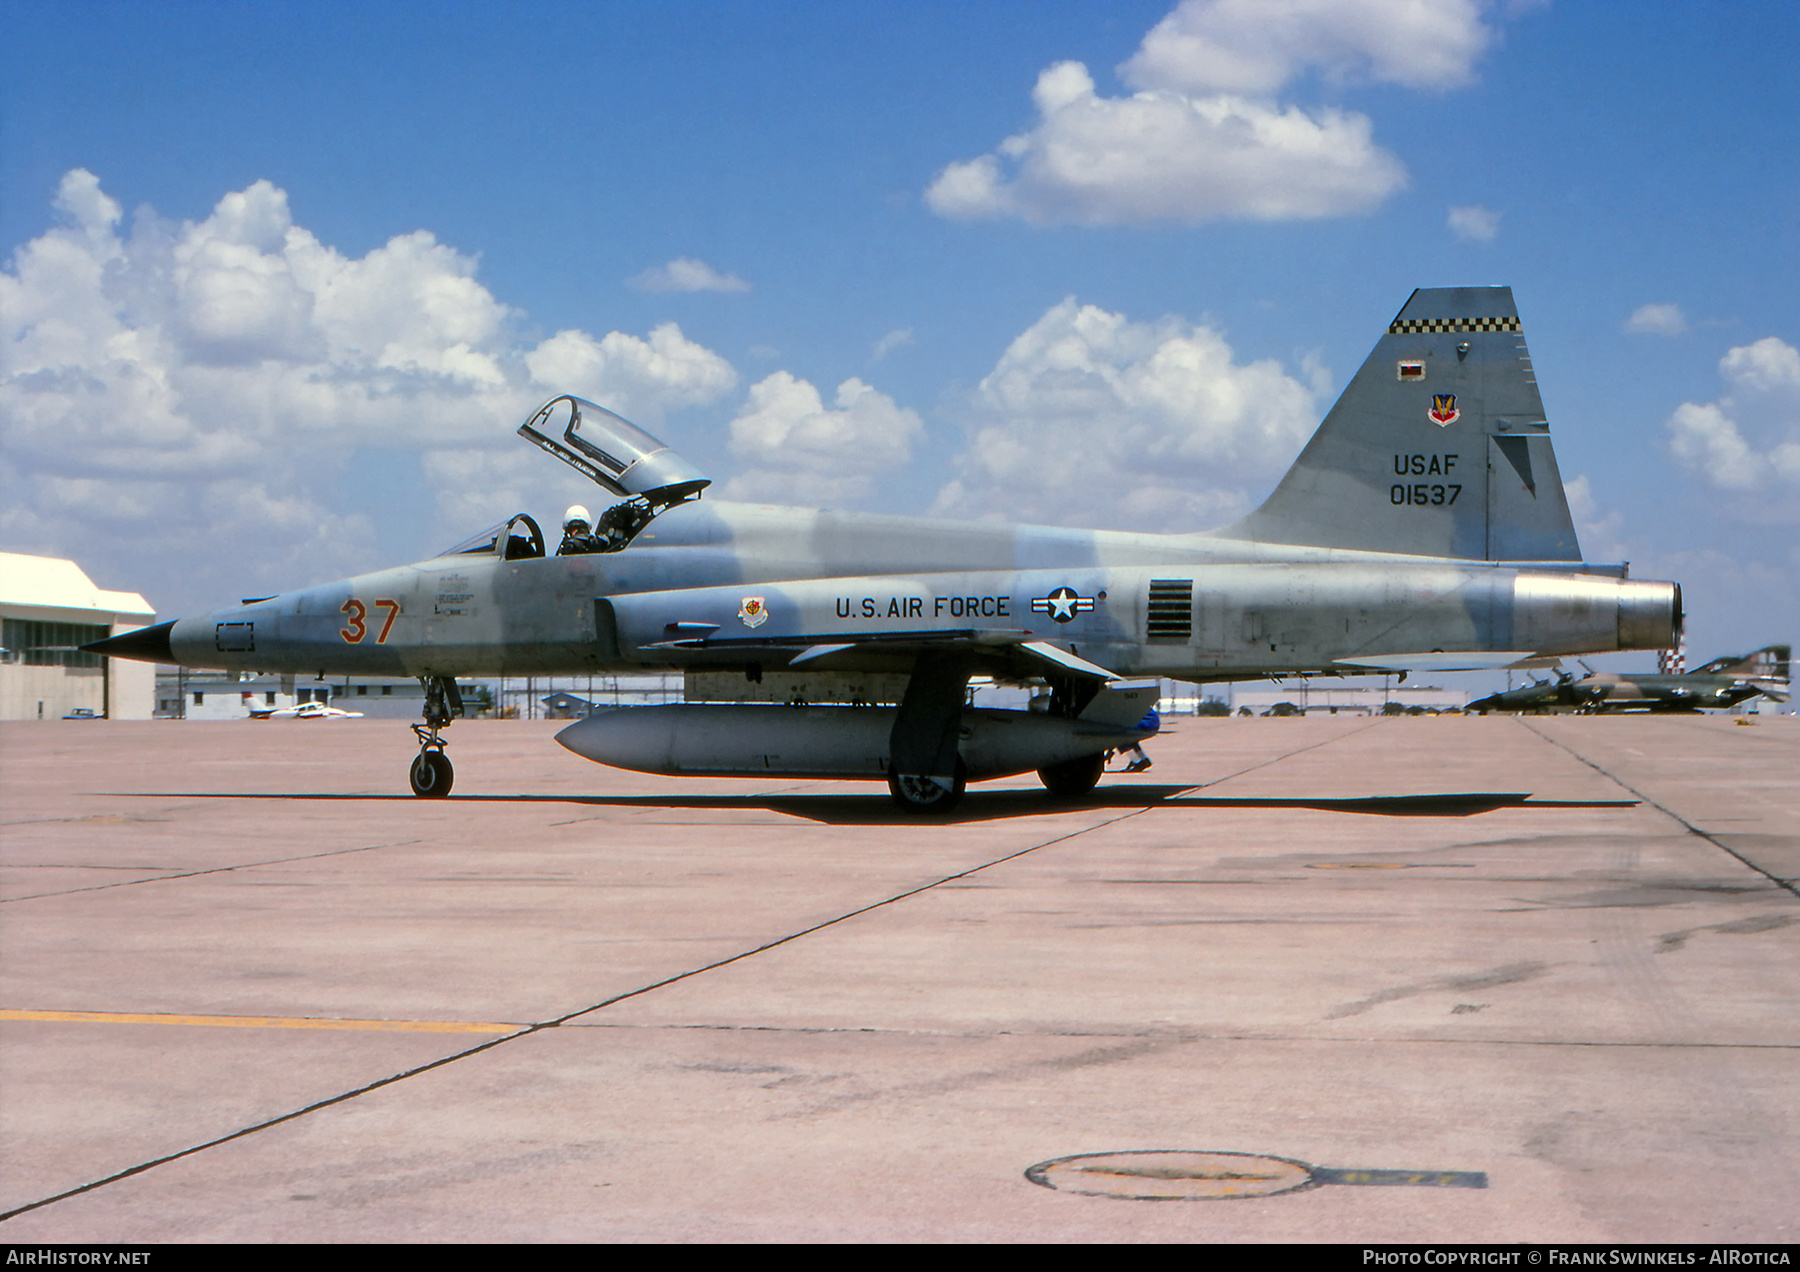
(1063, 604)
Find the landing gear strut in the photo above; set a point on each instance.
(1072, 779)
(432, 774)
(925, 774)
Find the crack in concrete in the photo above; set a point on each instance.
(195, 874)
(1785, 884)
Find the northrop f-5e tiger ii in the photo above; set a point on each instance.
(1424, 527)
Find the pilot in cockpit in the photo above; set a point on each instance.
(619, 524)
(576, 537)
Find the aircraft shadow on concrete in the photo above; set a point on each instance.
(876, 808)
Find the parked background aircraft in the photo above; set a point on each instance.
(304, 711)
(1723, 682)
(1424, 526)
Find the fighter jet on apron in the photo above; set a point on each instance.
(1423, 527)
(1721, 684)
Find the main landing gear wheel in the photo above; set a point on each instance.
(432, 775)
(1073, 779)
(922, 795)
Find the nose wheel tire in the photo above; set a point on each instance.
(923, 795)
(1073, 779)
(432, 775)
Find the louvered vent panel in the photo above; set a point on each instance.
(1171, 610)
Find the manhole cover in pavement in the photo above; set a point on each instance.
(1176, 1175)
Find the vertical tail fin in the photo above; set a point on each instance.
(1771, 660)
(1438, 447)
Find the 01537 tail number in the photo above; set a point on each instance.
(1421, 495)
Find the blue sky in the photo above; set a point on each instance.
(316, 261)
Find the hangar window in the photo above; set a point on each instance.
(38, 644)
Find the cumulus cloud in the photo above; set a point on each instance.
(1735, 600)
(207, 382)
(1165, 157)
(639, 379)
(893, 340)
(1258, 46)
(685, 274)
(1747, 441)
(1203, 137)
(1092, 419)
(1657, 320)
(798, 450)
(1601, 534)
(1473, 223)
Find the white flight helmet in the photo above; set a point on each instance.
(576, 519)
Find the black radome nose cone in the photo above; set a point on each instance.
(147, 644)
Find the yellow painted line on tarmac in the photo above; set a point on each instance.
(263, 1022)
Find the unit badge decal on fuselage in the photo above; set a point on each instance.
(754, 612)
(1063, 604)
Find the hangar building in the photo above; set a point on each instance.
(48, 608)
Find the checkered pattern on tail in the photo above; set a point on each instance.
(1413, 326)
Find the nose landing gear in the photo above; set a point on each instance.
(432, 774)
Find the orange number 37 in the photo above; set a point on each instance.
(356, 627)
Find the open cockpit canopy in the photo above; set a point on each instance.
(614, 453)
(617, 456)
